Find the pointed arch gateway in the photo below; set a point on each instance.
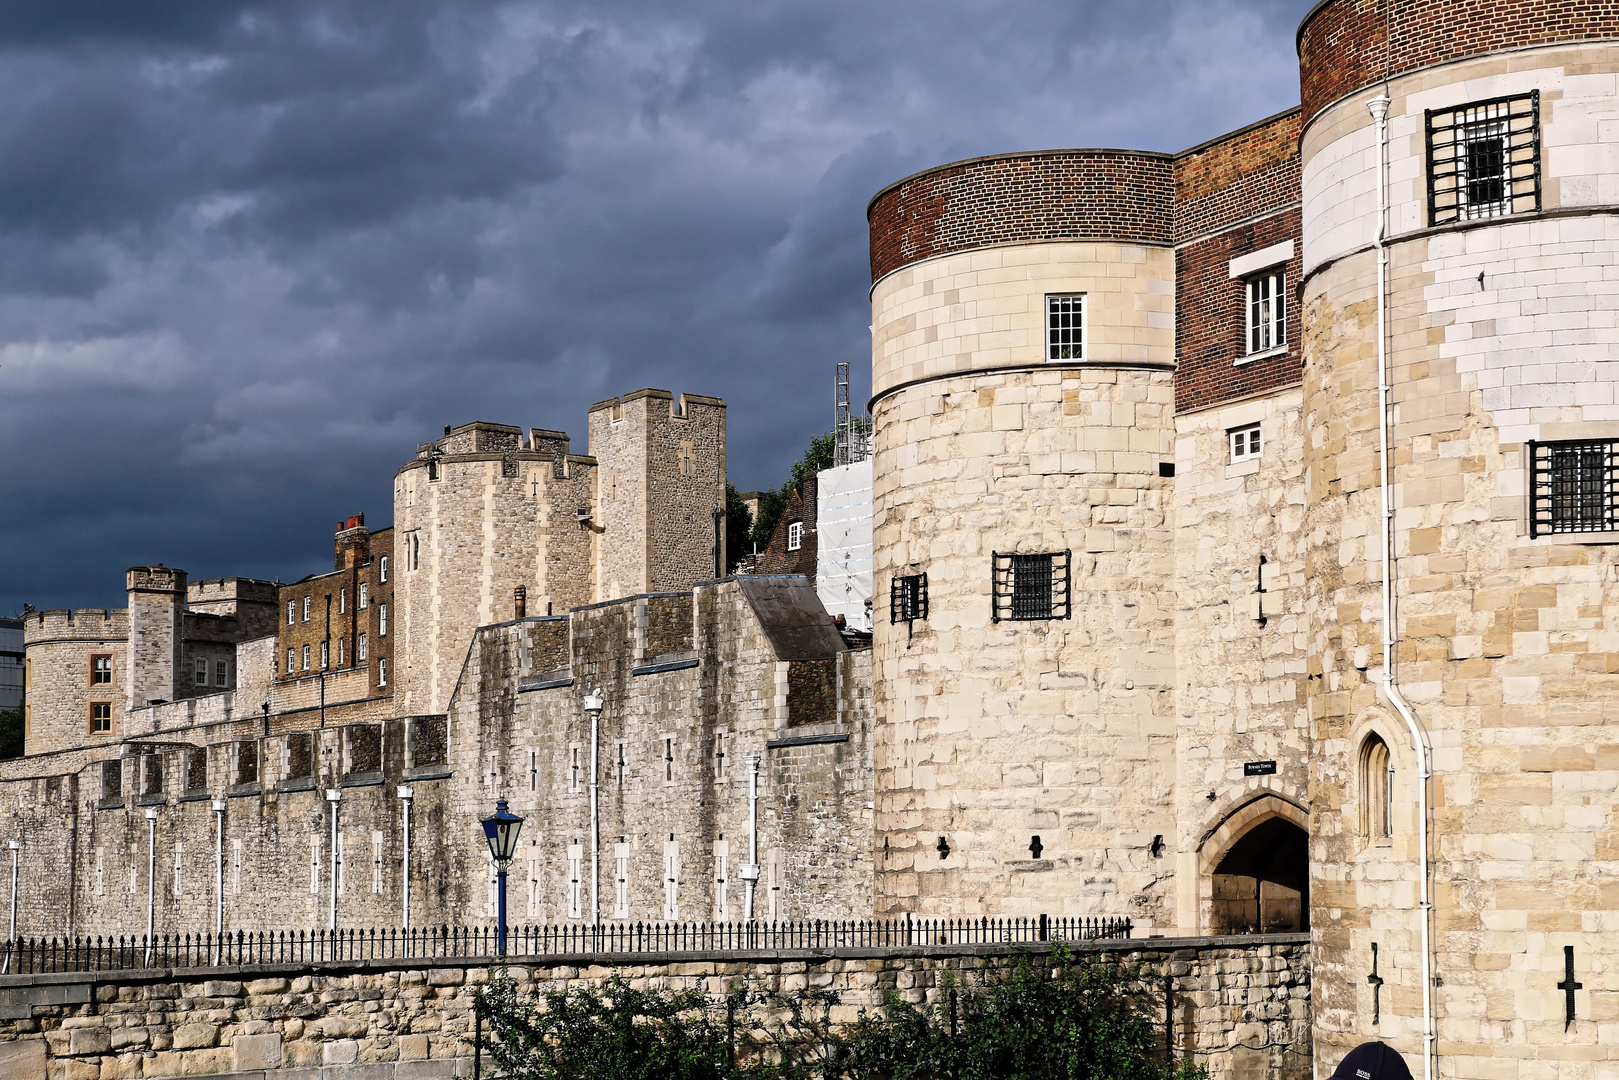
(1255, 870)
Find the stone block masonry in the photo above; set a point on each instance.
(1240, 1006)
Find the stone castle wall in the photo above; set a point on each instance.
(1241, 1007)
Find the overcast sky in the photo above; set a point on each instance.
(251, 253)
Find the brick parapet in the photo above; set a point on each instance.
(1347, 45)
(1120, 195)
(1237, 177)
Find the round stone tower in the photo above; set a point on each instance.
(1483, 298)
(1023, 345)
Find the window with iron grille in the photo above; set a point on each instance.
(1065, 327)
(908, 598)
(1028, 587)
(1572, 486)
(1484, 159)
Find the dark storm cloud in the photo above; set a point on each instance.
(252, 253)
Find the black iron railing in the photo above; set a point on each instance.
(26, 956)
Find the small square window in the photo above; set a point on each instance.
(908, 598)
(1245, 443)
(100, 717)
(1065, 327)
(1267, 312)
(100, 669)
(1484, 159)
(221, 673)
(795, 536)
(1031, 587)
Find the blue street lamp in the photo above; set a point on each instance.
(501, 829)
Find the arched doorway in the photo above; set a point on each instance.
(1258, 867)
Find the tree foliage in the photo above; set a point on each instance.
(818, 456)
(11, 731)
(738, 524)
(1066, 1018)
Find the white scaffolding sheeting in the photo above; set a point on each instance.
(843, 542)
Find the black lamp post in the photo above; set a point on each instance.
(501, 829)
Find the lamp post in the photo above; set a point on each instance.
(501, 829)
(151, 882)
(593, 706)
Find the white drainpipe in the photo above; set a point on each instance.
(1379, 107)
(333, 796)
(151, 878)
(405, 793)
(219, 873)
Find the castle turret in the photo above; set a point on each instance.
(1484, 130)
(1023, 353)
(157, 605)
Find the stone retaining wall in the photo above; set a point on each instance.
(1241, 1005)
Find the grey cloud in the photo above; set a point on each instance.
(252, 253)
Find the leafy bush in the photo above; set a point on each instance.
(1067, 1018)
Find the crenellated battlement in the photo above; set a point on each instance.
(237, 589)
(75, 624)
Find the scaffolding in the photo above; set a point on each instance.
(851, 435)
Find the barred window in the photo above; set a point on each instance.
(1065, 327)
(908, 598)
(1029, 587)
(1484, 159)
(1572, 486)
(1267, 311)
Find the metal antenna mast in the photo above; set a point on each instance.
(844, 430)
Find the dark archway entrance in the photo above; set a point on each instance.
(1262, 884)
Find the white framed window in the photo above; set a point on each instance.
(795, 536)
(221, 673)
(309, 602)
(1245, 443)
(621, 883)
(365, 596)
(382, 620)
(202, 671)
(292, 612)
(359, 648)
(1065, 326)
(382, 568)
(342, 600)
(576, 856)
(339, 652)
(306, 658)
(1267, 311)
(325, 655)
(671, 881)
(382, 671)
(290, 662)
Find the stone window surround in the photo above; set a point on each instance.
(101, 665)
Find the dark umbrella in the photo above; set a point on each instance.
(1372, 1061)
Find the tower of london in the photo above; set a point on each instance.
(1245, 560)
